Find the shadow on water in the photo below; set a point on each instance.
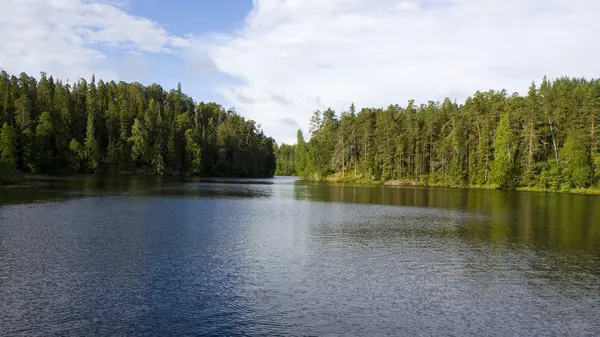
(550, 220)
(57, 188)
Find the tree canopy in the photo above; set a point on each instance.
(547, 139)
(49, 126)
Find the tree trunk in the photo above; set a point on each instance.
(485, 173)
(553, 140)
(552, 135)
(593, 145)
(343, 155)
(593, 133)
(531, 135)
(431, 153)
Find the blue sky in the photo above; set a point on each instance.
(291, 57)
(189, 17)
(194, 16)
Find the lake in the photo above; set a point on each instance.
(158, 256)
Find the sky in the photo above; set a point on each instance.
(276, 61)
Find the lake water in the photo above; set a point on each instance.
(160, 256)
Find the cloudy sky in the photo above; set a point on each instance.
(276, 61)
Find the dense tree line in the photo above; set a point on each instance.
(49, 126)
(547, 139)
(286, 162)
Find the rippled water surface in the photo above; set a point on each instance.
(156, 256)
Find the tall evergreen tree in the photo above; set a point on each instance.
(503, 168)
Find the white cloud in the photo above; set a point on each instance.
(67, 38)
(315, 53)
(294, 56)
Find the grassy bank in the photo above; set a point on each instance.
(590, 191)
(359, 180)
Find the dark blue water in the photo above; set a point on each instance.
(157, 257)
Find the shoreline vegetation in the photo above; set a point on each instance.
(49, 126)
(361, 181)
(544, 141)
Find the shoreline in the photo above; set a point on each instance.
(411, 183)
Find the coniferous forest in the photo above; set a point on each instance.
(544, 140)
(547, 139)
(52, 126)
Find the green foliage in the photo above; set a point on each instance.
(26, 150)
(322, 145)
(286, 160)
(44, 126)
(503, 168)
(139, 143)
(23, 113)
(193, 151)
(576, 162)
(300, 154)
(124, 127)
(113, 153)
(8, 146)
(545, 140)
(243, 150)
(44, 148)
(596, 159)
(92, 152)
(77, 154)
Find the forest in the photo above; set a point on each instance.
(50, 126)
(546, 140)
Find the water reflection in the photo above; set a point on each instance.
(55, 188)
(161, 256)
(537, 219)
(549, 220)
